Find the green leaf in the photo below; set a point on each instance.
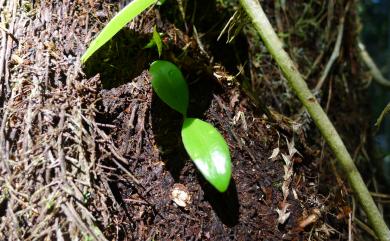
(150, 45)
(209, 151)
(157, 40)
(170, 85)
(127, 14)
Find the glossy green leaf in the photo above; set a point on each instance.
(209, 151)
(170, 85)
(127, 14)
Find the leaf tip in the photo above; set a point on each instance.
(223, 185)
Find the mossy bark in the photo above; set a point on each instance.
(291, 73)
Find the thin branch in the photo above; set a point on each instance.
(291, 73)
(376, 73)
(335, 54)
(8, 33)
(385, 111)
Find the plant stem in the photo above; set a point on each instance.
(291, 73)
(376, 73)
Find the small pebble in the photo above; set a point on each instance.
(180, 195)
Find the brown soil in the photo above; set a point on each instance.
(157, 158)
(109, 128)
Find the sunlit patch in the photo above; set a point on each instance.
(203, 167)
(219, 162)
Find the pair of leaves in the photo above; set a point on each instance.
(203, 143)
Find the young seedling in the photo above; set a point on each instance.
(155, 41)
(203, 143)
